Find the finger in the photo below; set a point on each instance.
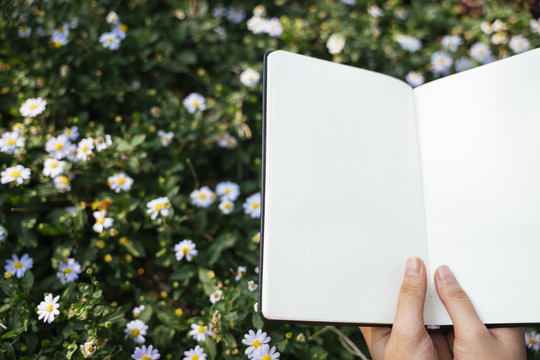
(375, 337)
(512, 340)
(457, 303)
(409, 318)
(440, 342)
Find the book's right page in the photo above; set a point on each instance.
(479, 134)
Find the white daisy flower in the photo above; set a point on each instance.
(519, 44)
(165, 137)
(185, 248)
(226, 141)
(68, 270)
(254, 341)
(349, 2)
(251, 285)
(32, 107)
(194, 102)
(259, 10)
(10, 142)
(257, 24)
(202, 197)
(137, 310)
(228, 190)
(252, 206)
(59, 147)
(24, 31)
(414, 78)
(335, 44)
(250, 77)
(53, 167)
(535, 26)
(215, 296)
(197, 353)
(409, 42)
(18, 267)
(463, 64)
(59, 37)
(84, 149)
(235, 15)
(219, 11)
(112, 17)
(158, 206)
(264, 352)
(2, 233)
(88, 349)
(199, 332)
(273, 27)
(17, 174)
(256, 307)
(62, 183)
(226, 206)
(256, 238)
(400, 13)
(136, 329)
(256, 270)
(120, 182)
(481, 53)
(441, 62)
(532, 340)
(102, 143)
(240, 272)
(486, 28)
(18, 128)
(146, 353)
(499, 25)
(72, 133)
(48, 308)
(375, 11)
(110, 41)
(451, 42)
(102, 222)
(120, 30)
(499, 38)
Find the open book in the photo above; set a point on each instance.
(361, 171)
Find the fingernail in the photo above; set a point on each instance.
(413, 266)
(445, 275)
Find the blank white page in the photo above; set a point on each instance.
(343, 206)
(480, 152)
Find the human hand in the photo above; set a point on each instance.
(470, 339)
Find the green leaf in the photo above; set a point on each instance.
(135, 247)
(219, 245)
(28, 280)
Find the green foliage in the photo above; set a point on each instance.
(133, 95)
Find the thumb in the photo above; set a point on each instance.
(409, 320)
(457, 303)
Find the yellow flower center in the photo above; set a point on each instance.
(85, 148)
(100, 220)
(532, 341)
(227, 191)
(195, 104)
(18, 265)
(185, 251)
(59, 146)
(33, 106)
(123, 27)
(227, 206)
(166, 139)
(178, 312)
(68, 271)
(159, 207)
(11, 142)
(121, 181)
(57, 44)
(48, 308)
(216, 295)
(64, 180)
(146, 357)
(16, 174)
(90, 348)
(54, 165)
(202, 196)
(194, 357)
(255, 206)
(201, 329)
(266, 357)
(134, 333)
(111, 40)
(256, 344)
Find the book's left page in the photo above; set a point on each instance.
(342, 193)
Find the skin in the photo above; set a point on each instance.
(469, 340)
